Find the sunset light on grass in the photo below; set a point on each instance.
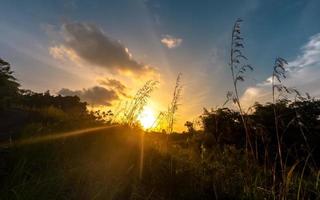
(159, 99)
(147, 118)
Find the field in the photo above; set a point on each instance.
(124, 163)
(117, 140)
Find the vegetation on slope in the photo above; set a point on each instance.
(271, 152)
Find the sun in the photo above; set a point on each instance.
(147, 118)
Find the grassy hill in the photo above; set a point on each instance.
(112, 163)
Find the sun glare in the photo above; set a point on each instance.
(147, 118)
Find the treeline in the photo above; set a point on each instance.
(26, 112)
(299, 127)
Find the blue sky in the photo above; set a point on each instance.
(170, 36)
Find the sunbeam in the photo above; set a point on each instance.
(56, 136)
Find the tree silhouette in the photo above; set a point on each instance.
(9, 87)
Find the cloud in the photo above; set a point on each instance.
(310, 55)
(170, 41)
(115, 85)
(95, 95)
(87, 42)
(302, 73)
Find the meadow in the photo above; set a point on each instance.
(54, 147)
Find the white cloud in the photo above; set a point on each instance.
(170, 41)
(310, 55)
(302, 73)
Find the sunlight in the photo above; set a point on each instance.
(51, 137)
(147, 117)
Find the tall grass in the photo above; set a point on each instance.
(129, 112)
(278, 74)
(125, 162)
(237, 71)
(166, 119)
(174, 103)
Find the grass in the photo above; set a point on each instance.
(80, 167)
(124, 162)
(106, 165)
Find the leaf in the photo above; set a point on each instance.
(279, 66)
(3, 63)
(236, 31)
(236, 61)
(229, 94)
(237, 51)
(237, 37)
(297, 92)
(278, 87)
(240, 78)
(308, 95)
(237, 44)
(289, 175)
(234, 100)
(242, 56)
(239, 20)
(282, 60)
(249, 67)
(277, 76)
(287, 90)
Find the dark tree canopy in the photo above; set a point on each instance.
(21, 109)
(9, 87)
(299, 122)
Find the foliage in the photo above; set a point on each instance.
(123, 162)
(224, 124)
(24, 113)
(9, 87)
(104, 165)
(190, 127)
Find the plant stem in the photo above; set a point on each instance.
(248, 142)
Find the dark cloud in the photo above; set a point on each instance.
(92, 45)
(95, 95)
(113, 83)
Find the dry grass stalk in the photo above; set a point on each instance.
(238, 70)
(136, 105)
(174, 104)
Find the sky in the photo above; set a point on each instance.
(103, 51)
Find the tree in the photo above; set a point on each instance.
(224, 125)
(9, 87)
(189, 126)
